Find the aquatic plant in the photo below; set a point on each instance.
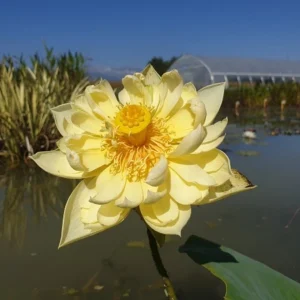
(153, 152)
(255, 95)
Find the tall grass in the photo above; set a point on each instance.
(254, 96)
(27, 92)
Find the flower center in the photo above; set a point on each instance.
(135, 154)
(133, 120)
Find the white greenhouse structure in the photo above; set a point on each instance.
(207, 70)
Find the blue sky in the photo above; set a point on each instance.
(128, 33)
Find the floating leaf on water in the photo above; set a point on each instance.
(127, 293)
(248, 153)
(211, 224)
(136, 244)
(98, 287)
(70, 292)
(244, 278)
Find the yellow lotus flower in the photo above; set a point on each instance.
(154, 149)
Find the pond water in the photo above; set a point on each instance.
(116, 264)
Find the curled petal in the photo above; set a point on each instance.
(182, 122)
(56, 163)
(88, 123)
(124, 97)
(188, 92)
(174, 84)
(215, 130)
(151, 77)
(165, 210)
(81, 103)
(135, 89)
(158, 173)
(132, 195)
(102, 100)
(73, 228)
(83, 142)
(94, 159)
(109, 187)
(62, 117)
(237, 183)
(205, 147)
(74, 160)
(212, 97)
(61, 144)
(211, 161)
(183, 192)
(191, 142)
(109, 214)
(174, 227)
(199, 110)
(153, 193)
(224, 173)
(191, 172)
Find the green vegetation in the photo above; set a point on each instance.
(254, 96)
(26, 95)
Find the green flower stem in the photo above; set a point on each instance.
(170, 293)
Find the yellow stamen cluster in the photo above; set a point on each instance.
(135, 161)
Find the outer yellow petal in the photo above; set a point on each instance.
(62, 117)
(135, 89)
(105, 86)
(183, 192)
(174, 84)
(151, 76)
(215, 130)
(124, 97)
(109, 187)
(198, 109)
(82, 142)
(88, 123)
(109, 214)
(74, 160)
(191, 142)
(153, 193)
(182, 122)
(236, 184)
(159, 93)
(212, 97)
(166, 210)
(93, 159)
(205, 147)
(222, 174)
(174, 227)
(132, 195)
(158, 173)
(56, 163)
(215, 163)
(81, 103)
(102, 100)
(188, 92)
(73, 229)
(191, 172)
(211, 161)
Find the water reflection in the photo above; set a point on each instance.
(32, 193)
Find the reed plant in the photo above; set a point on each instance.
(27, 92)
(253, 96)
